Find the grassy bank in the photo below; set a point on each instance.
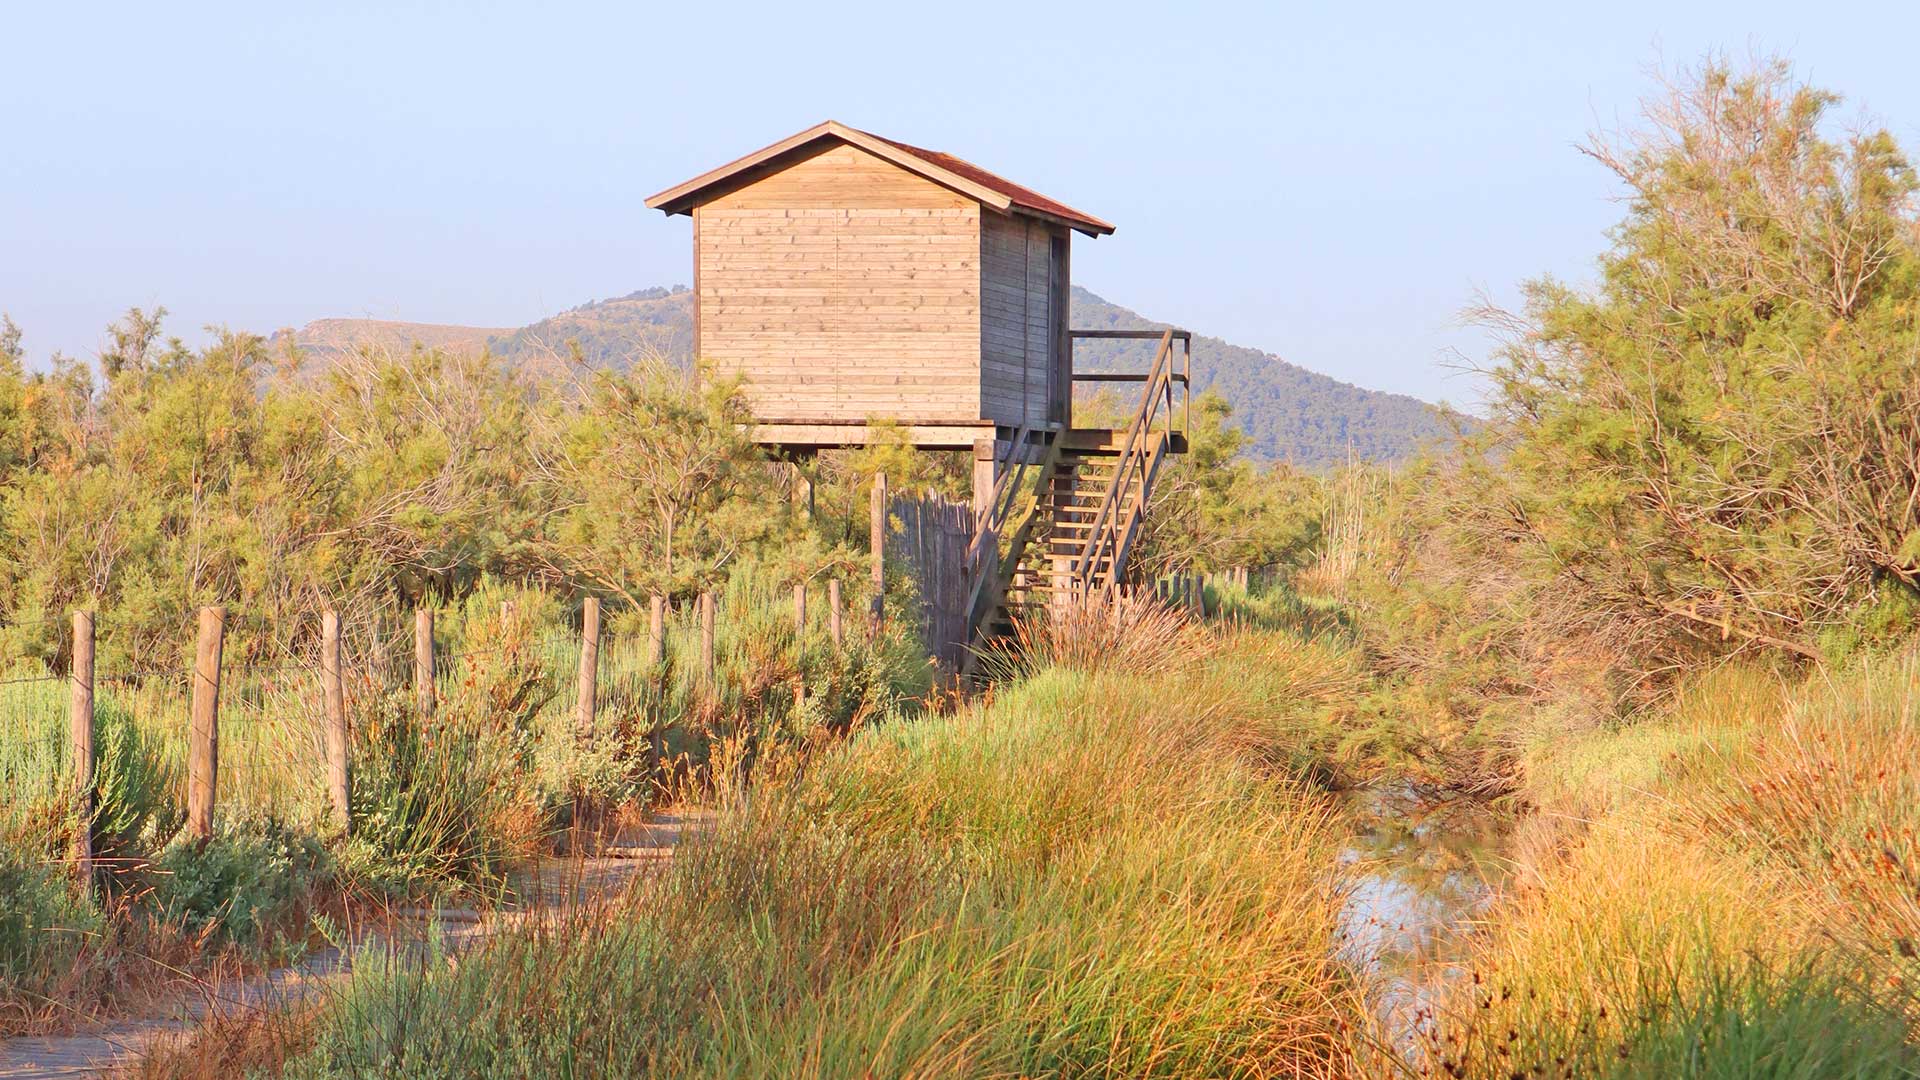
(1727, 887)
(1096, 873)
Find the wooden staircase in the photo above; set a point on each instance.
(1067, 509)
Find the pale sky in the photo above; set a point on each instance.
(1331, 183)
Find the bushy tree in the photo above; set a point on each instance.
(1721, 442)
(1213, 508)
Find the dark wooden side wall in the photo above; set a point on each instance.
(1021, 319)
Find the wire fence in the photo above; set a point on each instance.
(762, 650)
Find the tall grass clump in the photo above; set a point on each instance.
(449, 798)
(1097, 873)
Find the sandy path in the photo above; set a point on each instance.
(559, 882)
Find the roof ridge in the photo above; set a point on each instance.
(949, 170)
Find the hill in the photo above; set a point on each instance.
(1290, 413)
(325, 337)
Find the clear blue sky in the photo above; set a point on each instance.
(1331, 184)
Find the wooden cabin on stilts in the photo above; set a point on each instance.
(848, 279)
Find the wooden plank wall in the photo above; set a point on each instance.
(1016, 321)
(843, 287)
(933, 538)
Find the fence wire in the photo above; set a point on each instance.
(271, 742)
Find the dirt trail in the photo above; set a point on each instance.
(103, 1047)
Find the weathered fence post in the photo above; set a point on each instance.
(833, 612)
(706, 637)
(1199, 596)
(589, 666)
(800, 609)
(656, 630)
(877, 524)
(83, 747)
(203, 737)
(339, 785)
(423, 660)
(657, 677)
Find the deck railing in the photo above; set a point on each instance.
(1179, 374)
(1140, 452)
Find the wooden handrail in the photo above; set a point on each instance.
(1133, 457)
(1132, 335)
(1124, 376)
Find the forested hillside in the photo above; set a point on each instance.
(1289, 413)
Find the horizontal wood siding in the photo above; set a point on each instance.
(842, 288)
(1016, 321)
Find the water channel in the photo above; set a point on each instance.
(1425, 866)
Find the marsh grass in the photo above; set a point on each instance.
(1731, 892)
(1096, 874)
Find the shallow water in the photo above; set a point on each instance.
(1426, 864)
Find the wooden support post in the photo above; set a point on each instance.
(799, 609)
(877, 524)
(986, 476)
(833, 612)
(333, 688)
(83, 748)
(706, 637)
(423, 689)
(589, 667)
(802, 491)
(203, 736)
(656, 631)
(1199, 596)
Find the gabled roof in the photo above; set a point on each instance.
(946, 170)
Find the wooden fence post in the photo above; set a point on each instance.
(339, 784)
(706, 637)
(833, 612)
(203, 736)
(589, 666)
(656, 631)
(83, 747)
(423, 689)
(877, 525)
(800, 609)
(1199, 596)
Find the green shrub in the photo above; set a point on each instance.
(43, 920)
(240, 887)
(138, 803)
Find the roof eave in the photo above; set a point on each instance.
(1091, 226)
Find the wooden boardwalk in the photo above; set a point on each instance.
(556, 882)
